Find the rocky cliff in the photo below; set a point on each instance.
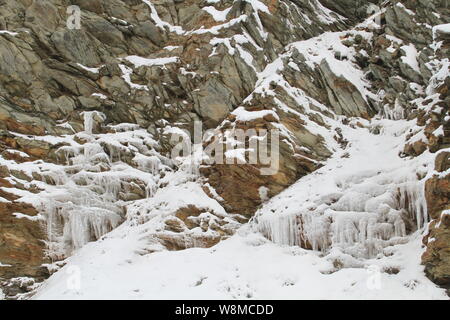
(89, 110)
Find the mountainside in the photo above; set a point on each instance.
(224, 149)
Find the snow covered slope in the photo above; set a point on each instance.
(246, 266)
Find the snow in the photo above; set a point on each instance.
(439, 132)
(217, 14)
(373, 22)
(121, 21)
(180, 31)
(100, 95)
(216, 29)
(20, 153)
(93, 70)
(263, 193)
(171, 48)
(244, 115)
(233, 269)
(171, 198)
(439, 76)
(160, 23)
(418, 89)
(394, 39)
(238, 40)
(408, 11)
(444, 28)
(362, 215)
(324, 47)
(325, 15)
(19, 215)
(8, 33)
(126, 75)
(346, 203)
(140, 61)
(82, 201)
(259, 6)
(358, 190)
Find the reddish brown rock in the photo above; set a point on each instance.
(21, 242)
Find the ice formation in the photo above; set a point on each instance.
(87, 197)
(359, 204)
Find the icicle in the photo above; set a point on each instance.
(282, 230)
(396, 113)
(84, 203)
(412, 198)
(400, 228)
(150, 189)
(149, 164)
(154, 164)
(89, 118)
(315, 230)
(88, 122)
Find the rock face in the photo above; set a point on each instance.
(86, 115)
(22, 250)
(437, 256)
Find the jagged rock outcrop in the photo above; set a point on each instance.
(437, 256)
